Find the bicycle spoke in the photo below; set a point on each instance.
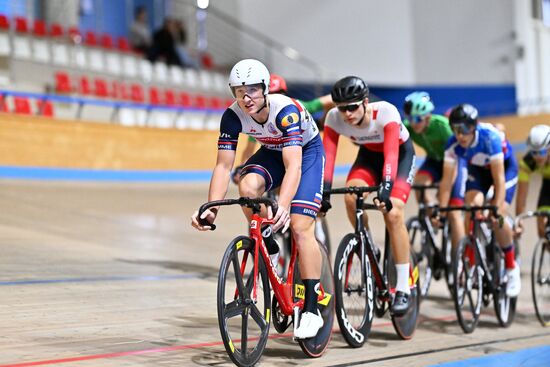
(258, 317)
(235, 308)
(244, 334)
(238, 277)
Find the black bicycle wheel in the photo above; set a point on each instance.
(316, 346)
(468, 286)
(423, 254)
(243, 320)
(405, 325)
(447, 254)
(505, 307)
(540, 281)
(354, 291)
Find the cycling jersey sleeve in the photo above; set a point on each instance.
(230, 128)
(526, 166)
(330, 143)
(289, 122)
(494, 147)
(391, 151)
(450, 155)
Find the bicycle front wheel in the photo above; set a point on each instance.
(540, 281)
(505, 307)
(316, 346)
(243, 319)
(423, 254)
(467, 286)
(354, 291)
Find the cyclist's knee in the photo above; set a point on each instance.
(395, 217)
(302, 227)
(251, 185)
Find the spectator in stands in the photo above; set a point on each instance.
(164, 44)
(140, 34)
(180, 37)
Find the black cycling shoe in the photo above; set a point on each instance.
(400, 303)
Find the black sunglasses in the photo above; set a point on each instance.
(349, 107)
(462, 129)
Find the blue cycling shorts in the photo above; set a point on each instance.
(481, 179)
(434, 169)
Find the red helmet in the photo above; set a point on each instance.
(277, 84)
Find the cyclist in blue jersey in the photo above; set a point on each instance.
(291, 157)
(491, 162)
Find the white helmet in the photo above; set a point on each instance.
(539, 137)
(248, 72)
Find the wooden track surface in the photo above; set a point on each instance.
(114, 275)
(43, 142)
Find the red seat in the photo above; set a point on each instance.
(44, 107)
(170, 97)
(136, 93)
(4, 22)
(22, 105)
(74, 34)
(100, 88)
(119, 90)
(154, 96)
(90, 39)
(56, 30)
(207, 61)
(123, 44)
(21, 25)
(185, 99)
(63, 82)
(39, 28)
(215, 103)
(84, 86)
(200, 101)
(107, 41)
(3, 104)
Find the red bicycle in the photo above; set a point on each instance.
(244, 296)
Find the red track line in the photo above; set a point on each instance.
(176, 347)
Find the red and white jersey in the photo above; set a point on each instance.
(384, 133)
(372, 135)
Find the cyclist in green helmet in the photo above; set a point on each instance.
(432, 132)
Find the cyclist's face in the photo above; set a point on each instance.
(541, 157)
(419, 123)
(352, 113)
(250, 97)
(464, 138)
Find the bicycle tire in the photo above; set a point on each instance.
(405, 325)
(540, 281)
(505, 307)
(354, 304)
(423, 253)
(316, 346)
(470, 276)
(447, 253)
(235, 301)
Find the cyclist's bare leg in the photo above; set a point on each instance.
(303, 231)
(399, 237)
(456, 224)
(349, 199)
(424, 179)
(541, 226)
(471, 198)
(251, 185)
(504, 234)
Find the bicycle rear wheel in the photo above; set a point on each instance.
(468, 286)
(540, 281)
(243, 321)
(405, 325)
(423, 254)
(354, 291)
(447, 254)
(505, 307)
(316, 346)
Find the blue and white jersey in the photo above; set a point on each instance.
(489, 144)
(288, 124)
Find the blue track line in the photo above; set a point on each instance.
(531, 357)
(102, 279)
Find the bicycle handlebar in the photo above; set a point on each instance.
(426, 187)
(530, 214)
(353, 190)
(492, 208)
(242, 201)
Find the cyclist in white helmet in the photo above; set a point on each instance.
(536, 160)
(291, 157)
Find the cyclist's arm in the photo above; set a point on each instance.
(330, 143)
(449, 169)
(499, 181)
(248, 150)
(391, 151)
(292, 159)
(523, 187)
(221, 175)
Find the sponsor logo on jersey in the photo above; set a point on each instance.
(290, 119)
(271, 128)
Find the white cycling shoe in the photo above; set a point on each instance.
(514, 281)
(310, 324)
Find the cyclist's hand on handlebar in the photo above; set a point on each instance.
(325, 205)
(203, 223)
(518, 229)
(383, 200)
(282, 219)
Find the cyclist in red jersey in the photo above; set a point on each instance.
(386, 157)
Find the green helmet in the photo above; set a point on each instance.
(421, 105)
